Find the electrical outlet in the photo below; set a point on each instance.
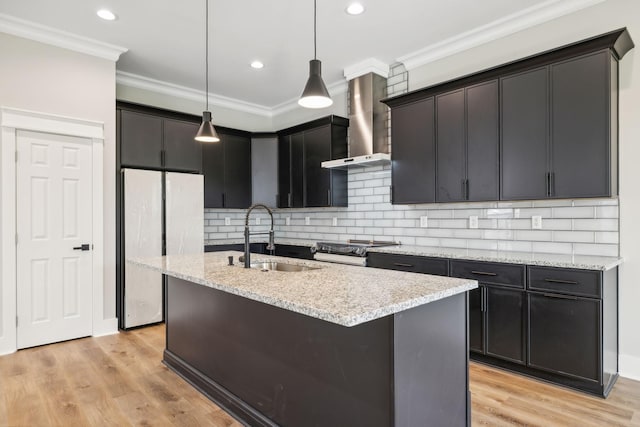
(424, 222)
(258, 221)
(287, 220)
(473, 221)
(536, 222)
(227, 220)
(335, 221)
(307, 220)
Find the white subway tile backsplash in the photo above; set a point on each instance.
(596, 202)
(552, 248)
(534, 235)
(573, 212)
(514, 224)
(498, 213)
(595, 249)
(466, 213)
(557, 224)
(608, 237)
(607, 212)
(517, 204)
(498, 234)
(518, 246)
(529, 212)
(574, 236)
(490, 245)
(596, 224)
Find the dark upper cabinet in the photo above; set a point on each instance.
(525, 133)
(213, 170)
(581, 102)
(181, 151)
(302, 182)
(540, 127)
(413, 171)
(140, 140)
(483, 141)
(237, 171)
(227, 171)
(467, 143)
(450, 145)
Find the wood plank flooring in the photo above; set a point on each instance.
(119, 380)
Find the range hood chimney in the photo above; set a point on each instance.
(368, 141)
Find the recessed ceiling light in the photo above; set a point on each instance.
(106, 14)
(355, 9)
(257, 65)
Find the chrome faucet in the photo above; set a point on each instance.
(247, 234)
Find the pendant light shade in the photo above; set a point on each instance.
(315, 93)
(206, 132)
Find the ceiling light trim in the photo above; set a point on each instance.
(497, 29)
(51, 36)
(369, 65)
(140, 82)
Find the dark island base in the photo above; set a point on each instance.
(583, 385)
(269, 366)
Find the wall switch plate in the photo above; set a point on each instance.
(287, 220)
(473, 221)
(227, 220)
(307, 220)
(258, 221)
(334, 221)
(424, 222)
(536, 222)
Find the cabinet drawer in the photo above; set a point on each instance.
(489, 272)
(566, 281)
(409, 263)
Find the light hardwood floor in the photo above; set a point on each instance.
(119, 380)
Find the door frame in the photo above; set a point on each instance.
(11, 121)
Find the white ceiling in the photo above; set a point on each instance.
(165, 38)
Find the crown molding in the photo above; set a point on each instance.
(502, 27)
(369, 65)
(43, 34)
(334, 89)
(170, 89)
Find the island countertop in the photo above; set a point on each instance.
(341, 294)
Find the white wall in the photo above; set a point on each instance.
(43, 78)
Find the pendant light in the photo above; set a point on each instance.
(207, 133)
(315, 93)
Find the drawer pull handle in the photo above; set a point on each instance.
(564, 282)
(560, 297)
(483, 273)
(402, 264)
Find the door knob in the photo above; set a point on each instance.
(83, 247)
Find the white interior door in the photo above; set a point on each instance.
(142, 238)
(54, 220)
(184, 213)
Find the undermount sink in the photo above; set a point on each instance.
(281, 266)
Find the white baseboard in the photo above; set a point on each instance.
(629, 366)
(105, 327)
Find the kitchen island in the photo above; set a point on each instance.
(331, 345)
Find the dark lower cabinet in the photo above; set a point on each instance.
(564, 335)
(505, 324)
(477, 320)
(293, 251)
(410, 263)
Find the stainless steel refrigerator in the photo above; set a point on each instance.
(160, 210)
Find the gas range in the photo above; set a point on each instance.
(351, 252)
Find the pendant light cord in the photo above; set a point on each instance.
(314, 30)
(206, 52)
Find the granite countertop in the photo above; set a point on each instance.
(542, 259)
(341, 294)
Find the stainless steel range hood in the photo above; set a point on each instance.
(368, 142)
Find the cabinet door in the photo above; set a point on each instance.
(213, 169)
(505, 327)
(476, 320)
(317, 148)
(297, 170)
(450, 147)
(237, 171)
(140, 140)
(182, 151)
(284, 171)
(482, 141)
(580, 133)
(564, 334)
(524, 110)
(413, 153)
